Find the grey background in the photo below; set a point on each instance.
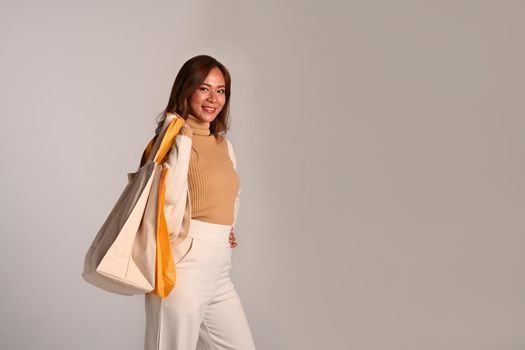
(380, 148)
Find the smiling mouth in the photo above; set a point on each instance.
(209, 109)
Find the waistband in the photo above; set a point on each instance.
(209, 231)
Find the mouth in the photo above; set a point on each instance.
(209, 109)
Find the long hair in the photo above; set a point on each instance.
(190, 76)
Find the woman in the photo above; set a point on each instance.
(203, 311)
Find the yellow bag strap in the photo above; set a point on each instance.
(147, 151)
(167, 141)
(169, 136)
(165, 272)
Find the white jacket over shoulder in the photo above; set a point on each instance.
(177, 207)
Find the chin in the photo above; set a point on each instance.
(209, 118)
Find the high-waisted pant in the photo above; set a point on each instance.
(203, 311)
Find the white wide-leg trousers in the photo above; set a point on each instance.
(203, 311)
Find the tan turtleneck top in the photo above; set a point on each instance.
(213, 182)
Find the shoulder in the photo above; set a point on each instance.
(230, 151)
(224, 138)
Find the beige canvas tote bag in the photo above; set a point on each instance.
(122, 257)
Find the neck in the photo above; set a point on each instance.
(199, 127)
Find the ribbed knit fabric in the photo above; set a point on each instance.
(212, 180)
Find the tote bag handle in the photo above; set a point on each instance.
(168, 136)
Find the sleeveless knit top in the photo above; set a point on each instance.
(213, 182)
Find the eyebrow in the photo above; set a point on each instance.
(210, 85)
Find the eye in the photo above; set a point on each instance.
(222, 91)
(204, 88)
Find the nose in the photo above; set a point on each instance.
(211, 96)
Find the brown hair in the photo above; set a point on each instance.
(190, 76)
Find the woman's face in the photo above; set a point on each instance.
(207, 100)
